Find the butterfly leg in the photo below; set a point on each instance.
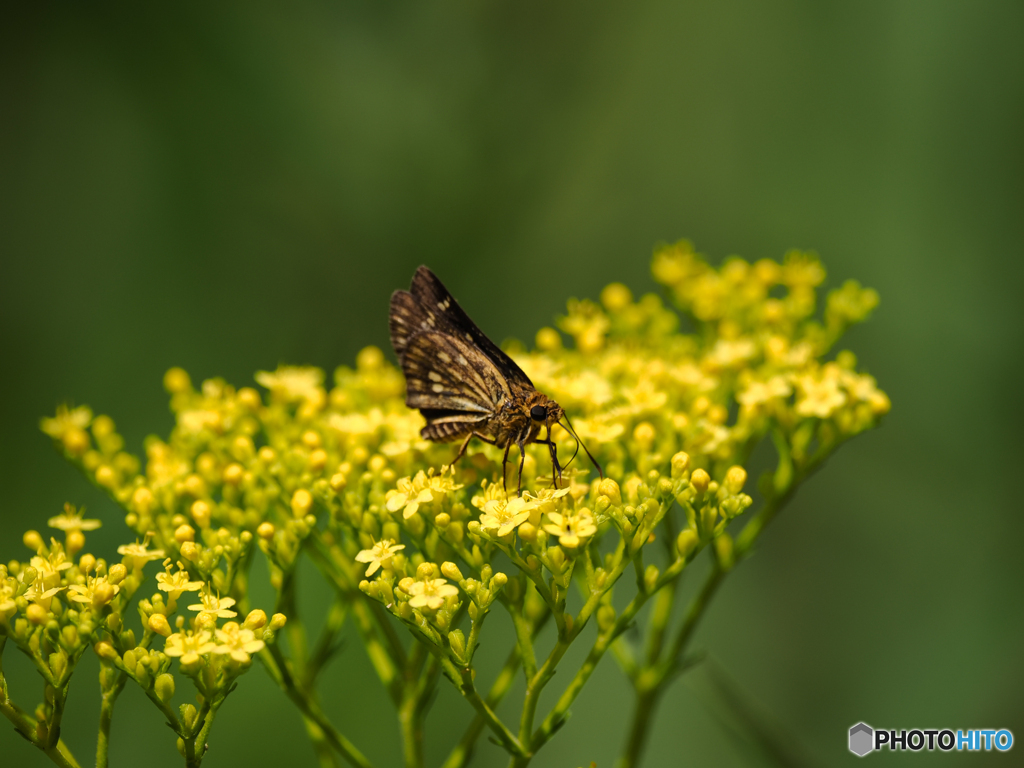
(556, 468)
(465, 444)
(504, 461)
(522, 463)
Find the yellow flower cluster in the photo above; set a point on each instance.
(339, 473)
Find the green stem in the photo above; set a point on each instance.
(277, 667)
(643, 711)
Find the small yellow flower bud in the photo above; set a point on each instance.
(248, 398)
(457, 641)
(528, 532)
(185, 533)
(233, 474)
(267, 455)
(242, 448)
(311, 439)
(76, 441)
(616, 297)
(158, 623)
(70, 634)
(735, 478)
(302, 502)
(176, 380)
(201, 513)
(605, 618)
(116, 573)
(369, 358)
(548, 340)
(338, 482)
(724, 551)
(377, 464)
(143, 499)
(102, 594)
(717, 414)
(644, 434)
(164, 687)
(36, 613)
(256, 619)
(610, 488)
(265, 531)
(105, 651)
(33, 540)
(58, 663)
(86, 563)
(73, 542)
(189, 550)
(277, 621)
(680, 463)
(686, 542)
(105, 476)
(194, 485)
(451, 571)
(499, 580)
(700, 480)
(317, 460)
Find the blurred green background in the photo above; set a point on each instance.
(230, 186)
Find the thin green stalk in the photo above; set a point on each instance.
(640, 722)
(277, 667)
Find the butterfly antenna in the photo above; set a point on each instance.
(572, 434)
(580, 442)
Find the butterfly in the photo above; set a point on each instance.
(462, 382)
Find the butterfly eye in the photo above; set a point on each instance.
(538, 413)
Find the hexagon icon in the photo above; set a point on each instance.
(862, 738)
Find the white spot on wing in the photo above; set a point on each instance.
(462, 360)
(437, 388)
(444, 357)
(434, 376)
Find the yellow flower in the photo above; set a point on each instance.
(139, 553)
(758, 393)
(430, 593)
(408, 497)
(211, 606)
(8, 588)
(571, 529)
(421, 489)
(39, 594)
(176, 583)
(379, 555)
(237, 641)
(503, 517)
(294, 383)
(66, 419)
(730, 353)
(71, 520)
(819, 396)
(49, 567)
(189, 646)
(864, 389)
(97, 591)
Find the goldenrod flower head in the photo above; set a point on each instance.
(49, 568)
(97, 591)
(293, 383)
(429, 593)
(139, 553)
(41, 595)
(379, 555)
(233, 639)
(502, 517)
(71, 520)
(760, 393)
(571, 529)
(421, 489)
(190, 646)
(66, 419)
(178, 582)
(211, 606)
(819, 395)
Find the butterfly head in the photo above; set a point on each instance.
(545, 412)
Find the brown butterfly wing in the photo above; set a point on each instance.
(440, 309)
(453, 384)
